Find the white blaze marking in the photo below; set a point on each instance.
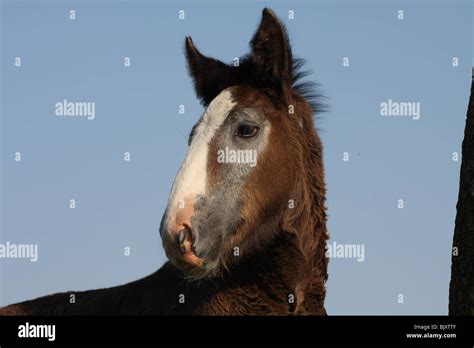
(191, 178)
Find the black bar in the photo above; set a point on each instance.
(219, 330)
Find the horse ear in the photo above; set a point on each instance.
(210, 75)
(271, 51)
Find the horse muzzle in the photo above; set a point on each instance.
(179, 245)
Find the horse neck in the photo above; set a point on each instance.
(280, 269)
(278, 259)
(277, 280)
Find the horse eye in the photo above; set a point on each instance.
(246, 131)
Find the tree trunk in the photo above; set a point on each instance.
(461, 291)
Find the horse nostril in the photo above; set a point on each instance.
(186, 240)
(181, 236)
(194, 242)
(180, 240)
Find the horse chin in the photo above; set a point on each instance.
(191, 259)
(206, 270)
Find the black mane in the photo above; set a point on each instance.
(308, 89)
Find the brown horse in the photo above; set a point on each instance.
(245, 225)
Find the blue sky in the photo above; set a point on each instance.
(120, 204)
